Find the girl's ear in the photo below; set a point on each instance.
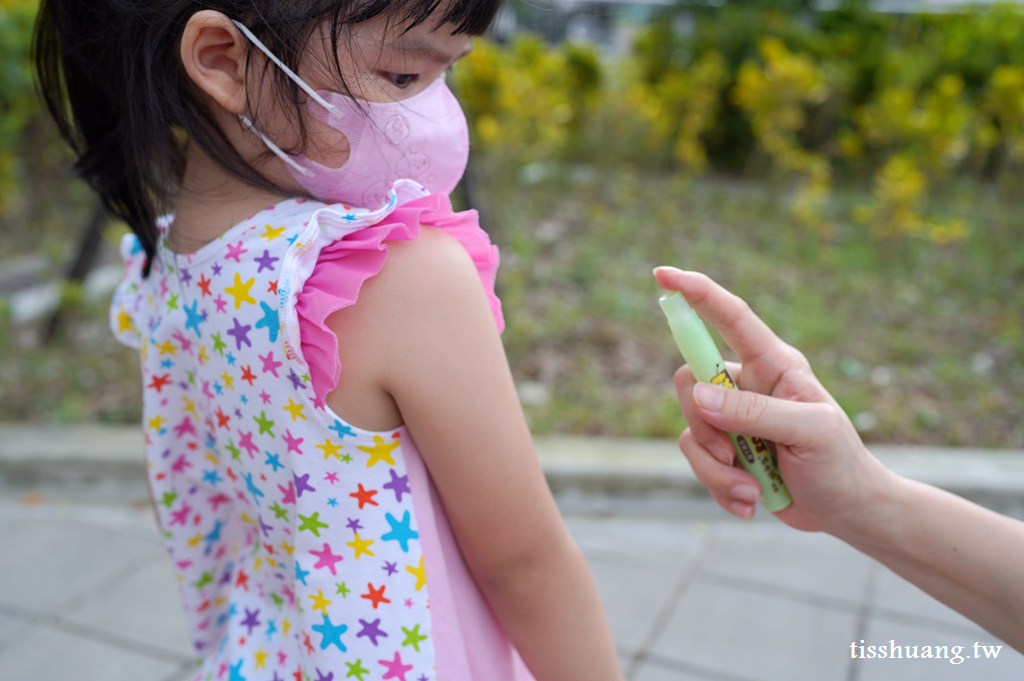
(214, 54)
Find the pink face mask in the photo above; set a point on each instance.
(424, 138)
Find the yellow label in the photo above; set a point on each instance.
(723, 378)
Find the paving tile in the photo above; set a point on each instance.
(143, 607)
(186, 674)
(53, 654)
(757, 636)
(9, 626)
(636, 564)
(897, 594)
(56, 561)
(132, 521)
(652, 671)
(637, 540)
(135, 522)
(632, 598)
(7, 527)
(773, 553)
(1008, 666)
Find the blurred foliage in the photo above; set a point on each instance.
(534, 103)
(918, 343)
(853, 130)
(84, 375)
(775, 94)
(903, 104)
(18, 103)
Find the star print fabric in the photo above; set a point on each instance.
(293, 535)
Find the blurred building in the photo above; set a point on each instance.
(611, 24)
(908, 6)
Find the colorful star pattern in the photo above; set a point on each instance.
(380, 451)
(375, 596)
(240, 291)
(264, 533)
(413, 637)
(396, 670)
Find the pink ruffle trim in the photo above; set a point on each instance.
(345, 264)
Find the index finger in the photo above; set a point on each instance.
(749, 337)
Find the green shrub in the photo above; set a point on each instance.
(18, 103)
(900, 103)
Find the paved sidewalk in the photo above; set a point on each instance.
(86, 591)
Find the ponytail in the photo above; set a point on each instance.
(85, 88)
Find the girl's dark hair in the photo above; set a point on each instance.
(111, 76)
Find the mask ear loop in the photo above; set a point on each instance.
(291, 74)
(298, 81)
(274, 148)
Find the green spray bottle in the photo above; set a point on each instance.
(756, 456)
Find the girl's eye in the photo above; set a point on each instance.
(402, 80)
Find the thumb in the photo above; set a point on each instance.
(795, 424)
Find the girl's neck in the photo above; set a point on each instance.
(211, 202)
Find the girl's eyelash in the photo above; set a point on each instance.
(402, 80)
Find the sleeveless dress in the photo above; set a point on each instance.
(305, 548)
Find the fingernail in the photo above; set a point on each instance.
(707, 397)
(746, 493)
(721, 453)
(667, 268)
(741, 509)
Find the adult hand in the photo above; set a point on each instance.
(966, 556)
(831, 476)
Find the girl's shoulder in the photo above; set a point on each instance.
(431, 271)
(419, 278)
(405, 311)
(400, 271)
(420, 256)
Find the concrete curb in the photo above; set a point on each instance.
(991, 477)
(72, 457)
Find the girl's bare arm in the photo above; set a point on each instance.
(447, 373)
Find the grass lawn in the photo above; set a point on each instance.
(919, 343)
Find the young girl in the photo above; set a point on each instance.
(337, 457)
